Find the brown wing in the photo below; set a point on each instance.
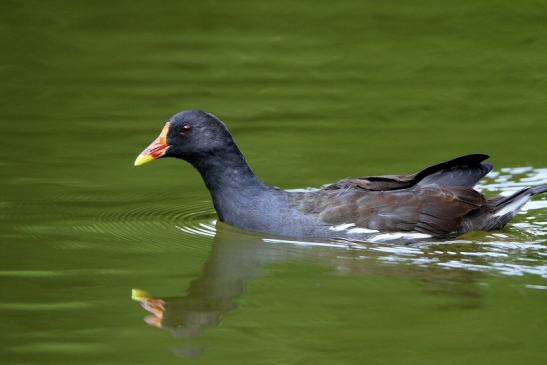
(462, 171)
(433, 210)
(374, 183)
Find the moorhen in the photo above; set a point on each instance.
(438, 201)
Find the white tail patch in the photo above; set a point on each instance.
(513, 207)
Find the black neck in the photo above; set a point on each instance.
(230, 180)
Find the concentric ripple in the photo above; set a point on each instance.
(155, 225)
(519, 249)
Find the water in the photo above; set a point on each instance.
(313, 92)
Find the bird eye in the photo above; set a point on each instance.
(185, 129)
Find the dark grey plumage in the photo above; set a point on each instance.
(438, 201)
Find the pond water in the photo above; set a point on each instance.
(104, 263)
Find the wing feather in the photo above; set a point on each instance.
(438, 211)
(463, 171)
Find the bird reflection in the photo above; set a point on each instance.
(238, 257)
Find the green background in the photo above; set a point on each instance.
(313, 91)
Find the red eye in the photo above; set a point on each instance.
(185, 129)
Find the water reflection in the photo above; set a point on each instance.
(237, 257)
(455, 268)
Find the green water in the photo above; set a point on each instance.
(313, 91)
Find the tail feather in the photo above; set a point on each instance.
(538, 189)
(508, 207)
(501, 203)
(462, 171)
(500, 210)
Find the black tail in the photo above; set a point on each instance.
(538, 189)
(500, 202)
(462, 171)
(500, 210)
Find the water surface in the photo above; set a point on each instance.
(313, 92)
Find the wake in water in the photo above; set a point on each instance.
(517, 250)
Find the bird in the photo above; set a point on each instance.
(437, 202)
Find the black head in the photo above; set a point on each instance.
(190, 135)
(194, 133)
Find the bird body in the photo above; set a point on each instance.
(438, 201)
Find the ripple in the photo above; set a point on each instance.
(508, 258)
(508, 180)
(154, 225)
(519, 249)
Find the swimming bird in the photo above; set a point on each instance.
(438, 201)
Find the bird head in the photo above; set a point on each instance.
(189, 135)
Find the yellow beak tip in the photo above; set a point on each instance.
(142, 159)
(139, 295)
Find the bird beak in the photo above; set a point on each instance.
(156, 149)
